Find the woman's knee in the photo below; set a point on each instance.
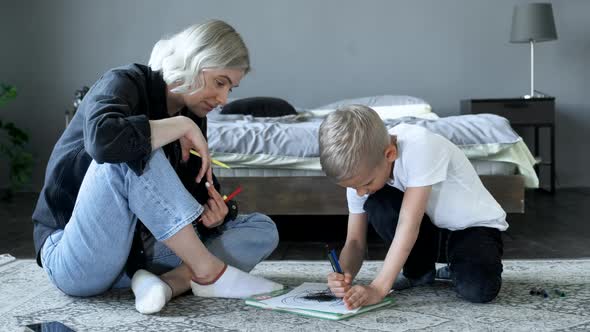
(267, 229)
(76, 280)
(477, 284)
(82, 287)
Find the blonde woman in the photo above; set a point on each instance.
(115, 168)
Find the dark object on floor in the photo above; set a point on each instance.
(539, 291)
(49, 326)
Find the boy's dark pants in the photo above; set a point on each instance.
(473, 254)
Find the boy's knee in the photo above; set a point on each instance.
(479, 293)
(477, 284)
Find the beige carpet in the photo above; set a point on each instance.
(27, 297)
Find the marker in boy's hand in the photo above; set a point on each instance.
(338, 281)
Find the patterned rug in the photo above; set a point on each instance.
(27, 297)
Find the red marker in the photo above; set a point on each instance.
(233, 194)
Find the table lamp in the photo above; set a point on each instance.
(533, 23)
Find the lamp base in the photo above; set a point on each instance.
(536, 94)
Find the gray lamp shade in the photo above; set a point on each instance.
(533, 22)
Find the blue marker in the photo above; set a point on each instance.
(334, 260)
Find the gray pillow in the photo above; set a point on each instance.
(259, 107)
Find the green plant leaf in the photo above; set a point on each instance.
(12, 143)
(7, 92)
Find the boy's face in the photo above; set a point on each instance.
(369, 180)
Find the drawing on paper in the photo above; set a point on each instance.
(308, 296)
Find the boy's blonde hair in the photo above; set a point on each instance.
(352, 139)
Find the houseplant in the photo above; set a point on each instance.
(13, 142)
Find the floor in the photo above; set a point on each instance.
(554, 226)
(27, 297)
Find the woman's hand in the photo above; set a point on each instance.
(339, 283)
(193, 139)
(360, 295)
(165, 131)
(215, 209)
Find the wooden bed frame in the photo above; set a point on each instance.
(316, 195)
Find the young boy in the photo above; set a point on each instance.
(424, 199)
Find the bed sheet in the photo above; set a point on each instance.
(482, 167)
(517, 155)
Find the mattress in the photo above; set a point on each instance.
(482, 167)
(487, 160)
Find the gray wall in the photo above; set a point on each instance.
(308, 52)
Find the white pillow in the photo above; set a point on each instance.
(375, 101)
(391, 112)
(388, 106)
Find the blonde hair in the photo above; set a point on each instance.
(182, 57)
(352, 138)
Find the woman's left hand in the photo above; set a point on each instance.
(215, 209)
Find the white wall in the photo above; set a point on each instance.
(308, 52)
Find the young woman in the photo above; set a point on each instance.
(115, 167)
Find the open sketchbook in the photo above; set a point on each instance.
(310, 299)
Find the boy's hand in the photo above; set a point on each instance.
(215, 209)
(339, 283)
(360, 295)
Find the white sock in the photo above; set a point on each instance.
(234, 283)
(151, 293)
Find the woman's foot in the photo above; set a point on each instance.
(234, 283)
(151, 293)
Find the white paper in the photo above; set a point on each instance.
(296, 299)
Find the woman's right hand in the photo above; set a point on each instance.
(339, 283)
(165, 131)
(194, 139)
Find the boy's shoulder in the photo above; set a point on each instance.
(417, 143)
(413, 133)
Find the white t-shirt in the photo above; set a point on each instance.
(458, 199)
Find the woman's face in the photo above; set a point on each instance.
(218, 83)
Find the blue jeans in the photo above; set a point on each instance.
(88, 257)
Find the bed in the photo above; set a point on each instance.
(275, 159)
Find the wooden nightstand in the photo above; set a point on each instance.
(536, 113)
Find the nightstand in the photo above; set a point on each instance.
(536, 113)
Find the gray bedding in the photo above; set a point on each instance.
(297, 136)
